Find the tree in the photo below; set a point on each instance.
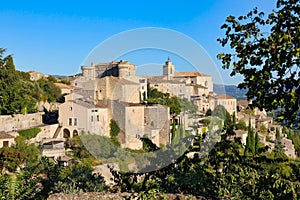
(234, 119)
(266, 52)
(257, 143)
(241, 125)
(250, 140)
(79, 178)
(15, 88)
(278, 136)
(220, 111)
(114, 132)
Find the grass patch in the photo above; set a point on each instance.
(29, 133)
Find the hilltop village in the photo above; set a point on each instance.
(112, 91)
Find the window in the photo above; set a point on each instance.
(92, 118)
(205, 83)
(71, 108)
(5, 143)
(75, 121)
(70, 121)
(98, 118)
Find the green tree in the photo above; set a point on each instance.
(219, 111)
(266, 52)
(250, 141)
(278, 136)
(114, 132)
(15, 89)
(79, 178)
(257, 143)
(241, 125)
(16, 186)
(234, 119)
(263, 129)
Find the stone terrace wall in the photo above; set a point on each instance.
(20, 121)
(118, 196)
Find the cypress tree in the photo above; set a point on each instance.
(251, 139)
(257, 139)
(233, 119)
(278, 137)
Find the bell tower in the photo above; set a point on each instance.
(168, 69)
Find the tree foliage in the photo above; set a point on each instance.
(114, 132)
(18, 94)
(266, 52)
(176, 104)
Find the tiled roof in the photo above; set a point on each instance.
(190, 74)
(197, 86)
(88, 105)
(4, 135)
(64, 86)
(224, 96)
(153, 81)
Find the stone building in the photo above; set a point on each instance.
(79, 114)
(53, 148)
(225, 100)
(112, 91)
(6, 140)
(65, 89)
(117, 71)
(193, 86)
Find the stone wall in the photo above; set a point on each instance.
(20, 121)
(47, 131)
(119, 196)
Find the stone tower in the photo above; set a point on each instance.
(168, 69)
(89, 71)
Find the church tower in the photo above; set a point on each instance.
(168, 69)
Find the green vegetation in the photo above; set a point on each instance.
(24, 174)
(294, 135)
(18, 94)
(224, 173)
(21, 155)
(265, 51)
(29, 133)
(114, 132)
(241, 125)
(263, 129)
(176, 104)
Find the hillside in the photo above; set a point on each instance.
(231, 90)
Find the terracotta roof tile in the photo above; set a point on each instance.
(190, 74)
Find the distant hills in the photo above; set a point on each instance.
(231, 90)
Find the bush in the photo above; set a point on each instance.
(241, 126)
(29, 133)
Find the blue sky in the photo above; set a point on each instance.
(56, 36)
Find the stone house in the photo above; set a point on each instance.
(65, 89)
(6, 140)
(289, 149)
(53, 148)
(229, 102)
(78, 115)
(34, 76)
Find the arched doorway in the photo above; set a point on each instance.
(75, 133)
(66, 133)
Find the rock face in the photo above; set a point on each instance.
(117, 196)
